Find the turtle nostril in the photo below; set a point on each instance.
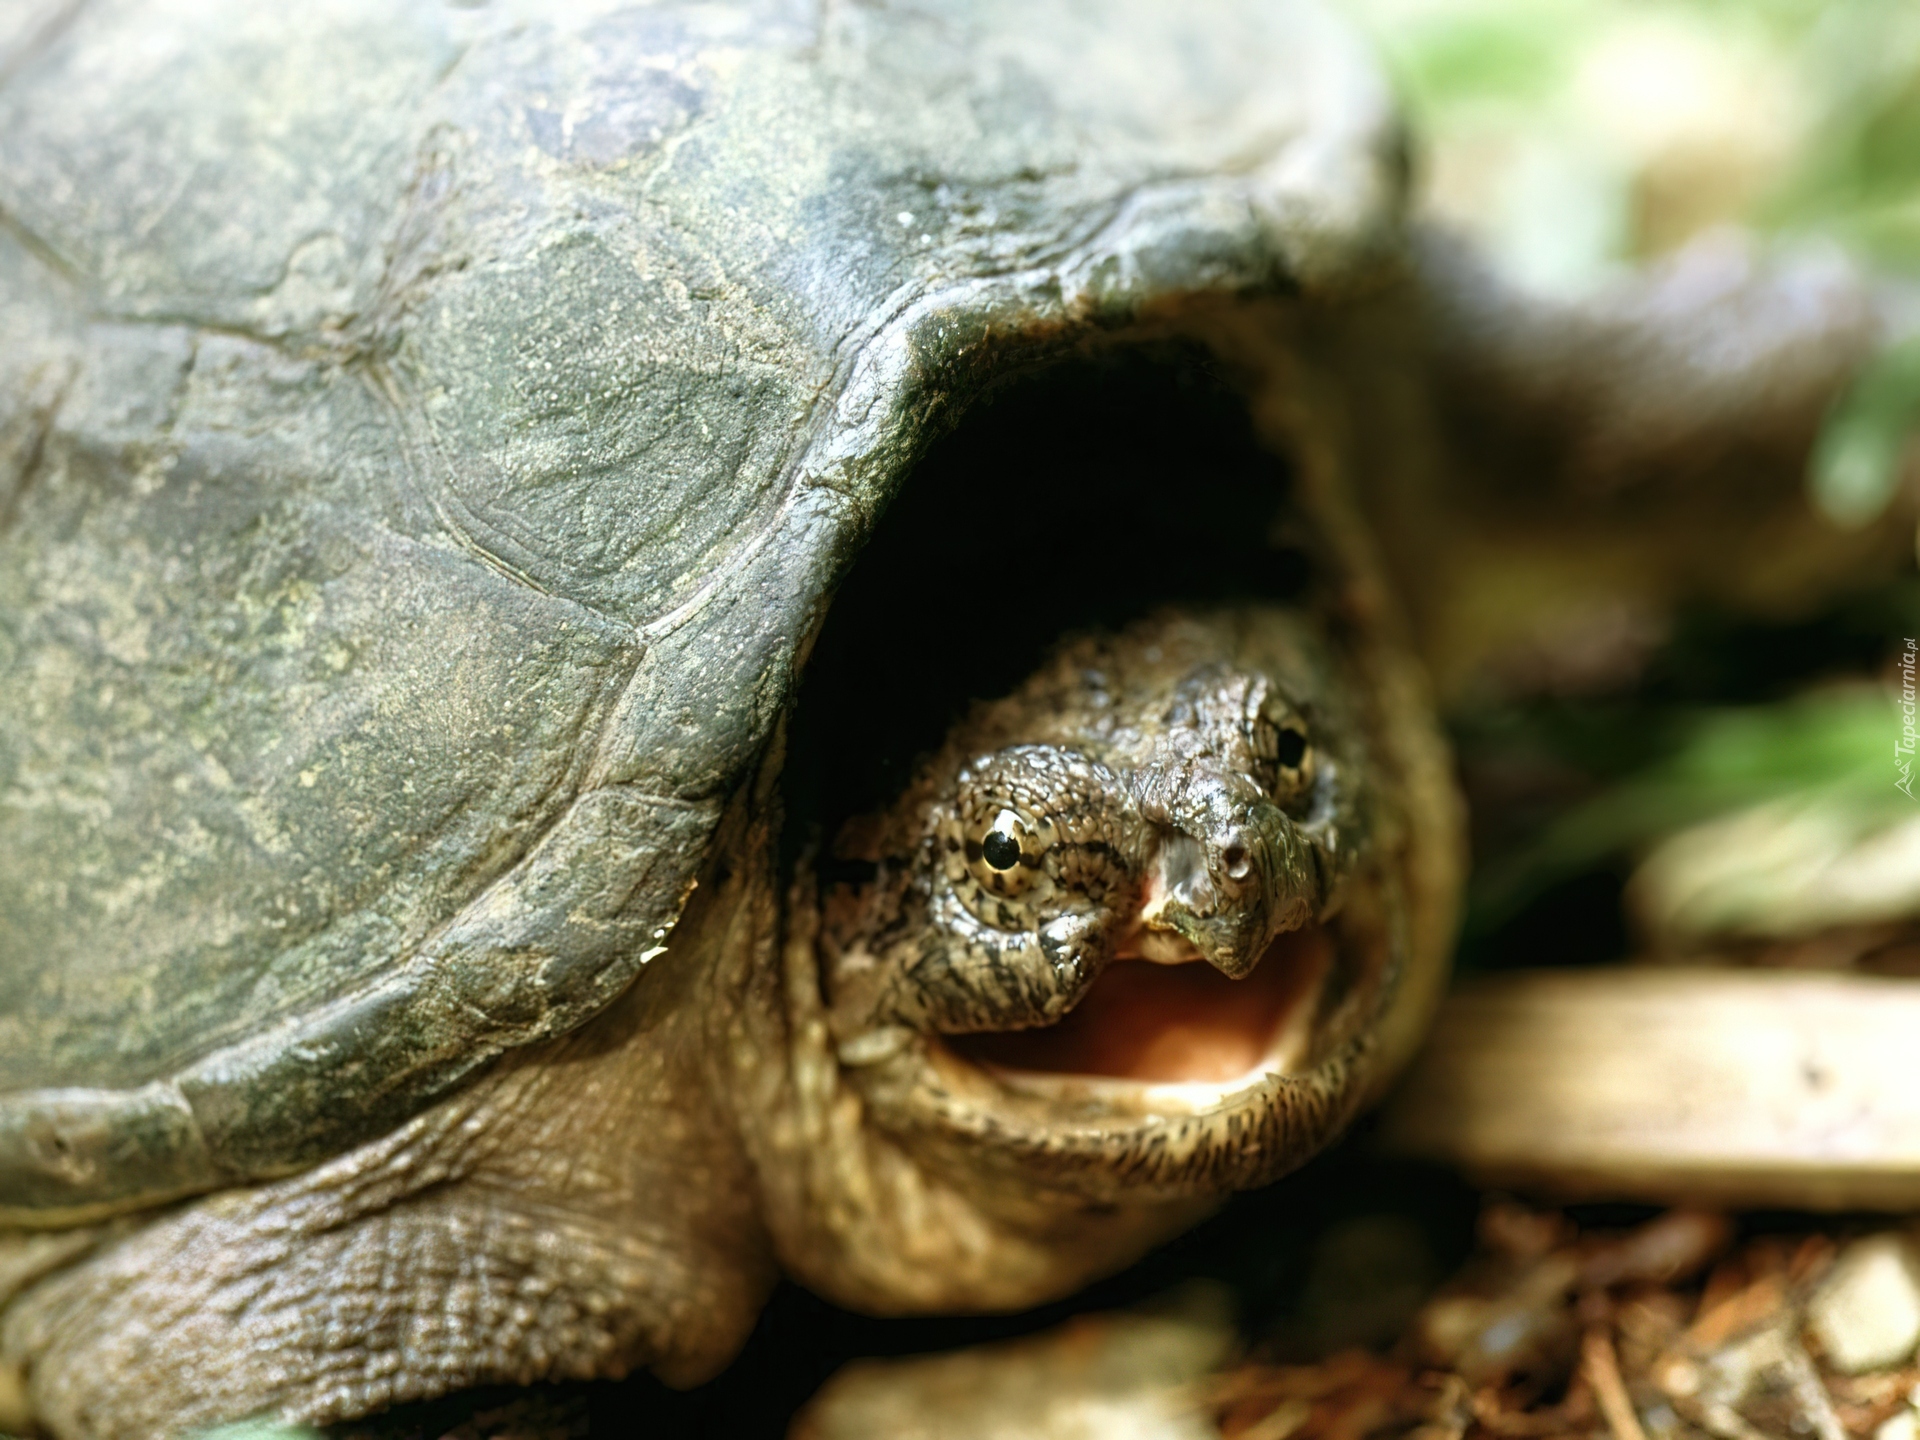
(1238, 862)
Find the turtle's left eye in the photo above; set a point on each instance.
(1291, 746)
(1004, 852)
(1282, 752)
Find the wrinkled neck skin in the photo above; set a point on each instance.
(861, 1215)
(943, 1074)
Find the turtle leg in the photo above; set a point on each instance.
(579, 1213)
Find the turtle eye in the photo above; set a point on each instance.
(1290, 748)
(1282, 753)
(1000, 850)
(1293, 764)
(1004, 852)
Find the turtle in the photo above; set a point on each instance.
(650, 646)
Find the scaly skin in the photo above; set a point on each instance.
(1186, 790)
(903, 1178)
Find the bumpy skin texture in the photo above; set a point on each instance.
(1142, 778)
(1141, 770)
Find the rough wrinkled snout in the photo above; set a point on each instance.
(1231, 871)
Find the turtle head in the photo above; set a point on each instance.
(1147, 797)
(1118, 949)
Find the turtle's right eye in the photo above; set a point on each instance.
(1004, 852)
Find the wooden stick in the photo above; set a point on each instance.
(1603, 1374)
(1730, 1087)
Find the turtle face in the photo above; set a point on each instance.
(1104, 940)
(1156, 803)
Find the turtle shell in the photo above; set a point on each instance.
(428, 433)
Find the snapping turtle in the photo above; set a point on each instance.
(439, 942)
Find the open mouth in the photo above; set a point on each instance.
(1175, 1024)
(1165, 1081)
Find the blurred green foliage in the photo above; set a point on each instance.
(1793, 117)
(1733, 712)
(1829, 746)
(1855, 470)
(1571, 139)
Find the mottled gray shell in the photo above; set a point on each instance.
(427, 433)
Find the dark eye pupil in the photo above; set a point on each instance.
(1293, 748)
(1000, 850)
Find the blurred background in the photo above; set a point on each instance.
(1731, 795)
(1572, 137)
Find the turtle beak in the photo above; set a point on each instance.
(1221, 887)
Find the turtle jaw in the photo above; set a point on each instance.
(1164, 1083)
(1187, 1023)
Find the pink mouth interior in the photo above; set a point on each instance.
(1148, 1022)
